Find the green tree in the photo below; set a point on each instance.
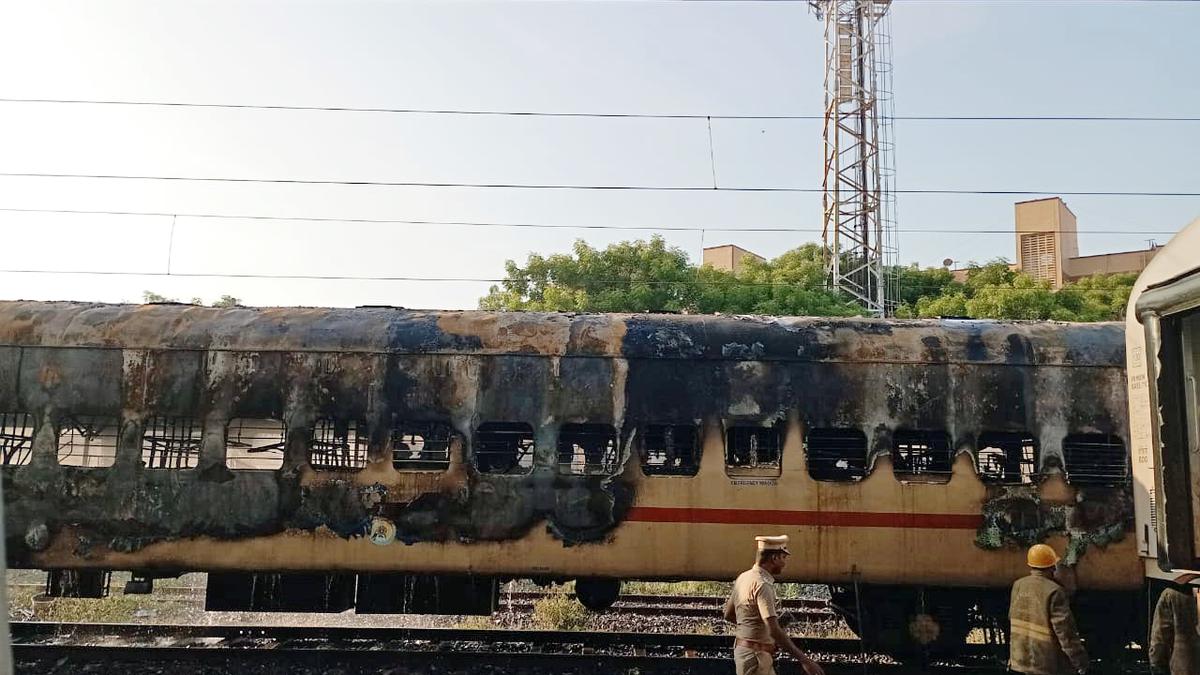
(996, 291)
(643, 276)
(150, 296)
(633, 276)
(915, 283)
(224, 301)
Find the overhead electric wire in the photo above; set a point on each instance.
(735, 283)
(556, 226)
(564, 186)
(600, 115)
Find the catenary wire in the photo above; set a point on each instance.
(340, 277)
(600, 115)
(556, 226)
(564, 186)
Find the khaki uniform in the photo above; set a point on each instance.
(1043, 639)
(1174, 644)
(754, 601)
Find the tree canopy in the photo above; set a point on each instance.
(649, 276)
(223, 301)
(996, 291)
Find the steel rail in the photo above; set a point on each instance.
(32, 633)
(238, 659)
(498, 650)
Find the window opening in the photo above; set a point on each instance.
(838, 455)
(587, 448)
(503, 447)
(1095, 460)
(753, 447)
(16, 438)
(339, 445)
(252, 443)
(1007, 458)
(171, 443)
(88, 441)
(421, 445)
(922, 456)
(670, 449)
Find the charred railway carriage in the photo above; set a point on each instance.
(376, 444)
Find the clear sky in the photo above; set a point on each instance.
(1074, 57)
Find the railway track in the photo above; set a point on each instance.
(250, 649)
(683, 606)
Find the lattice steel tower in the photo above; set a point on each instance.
(859, 202)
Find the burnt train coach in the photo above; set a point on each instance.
(395, 460)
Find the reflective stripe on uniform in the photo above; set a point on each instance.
(1031, 630)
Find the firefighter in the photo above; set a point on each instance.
(1043, 639)
(1174, 644)
(754, 608)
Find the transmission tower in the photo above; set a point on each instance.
(859, 202)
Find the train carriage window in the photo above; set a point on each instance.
(171, 443)
(16, 438)
(754, 448)
(838, 455)
(88, 441)
(922, 456)
(255, 443)
(421, 446)
(1095, 460)
(503, 447)
(670, 449)
(339, 445)
(1007, 458)
(587, 448)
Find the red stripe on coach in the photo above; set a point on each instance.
(925, 521)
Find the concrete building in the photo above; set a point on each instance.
(1047, 239)
(1047, 243)
(729, 257)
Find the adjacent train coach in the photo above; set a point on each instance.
(397, 460)
(1163, 338)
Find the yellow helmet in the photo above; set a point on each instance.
(1041, 557)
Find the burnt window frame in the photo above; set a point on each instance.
(754, 467)
(1095, 478)
(356, 455)
(932, 469)
(524, 447)
(609, 457)
(81, 425)
(189, 440)
(1026, 464)
(280, 446)
(14, 445)
(670, 436)
(436, 439)
(823, 467)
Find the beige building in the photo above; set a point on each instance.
(1047, 242)
(729, 257)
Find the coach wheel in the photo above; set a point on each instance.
(597, 594)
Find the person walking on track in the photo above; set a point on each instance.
(1043, 639)
(1174, 644)
(754, 608)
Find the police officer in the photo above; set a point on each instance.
(1174, 644)
(754, 608)
(1043, 639)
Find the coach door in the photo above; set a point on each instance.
(1170, 314)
